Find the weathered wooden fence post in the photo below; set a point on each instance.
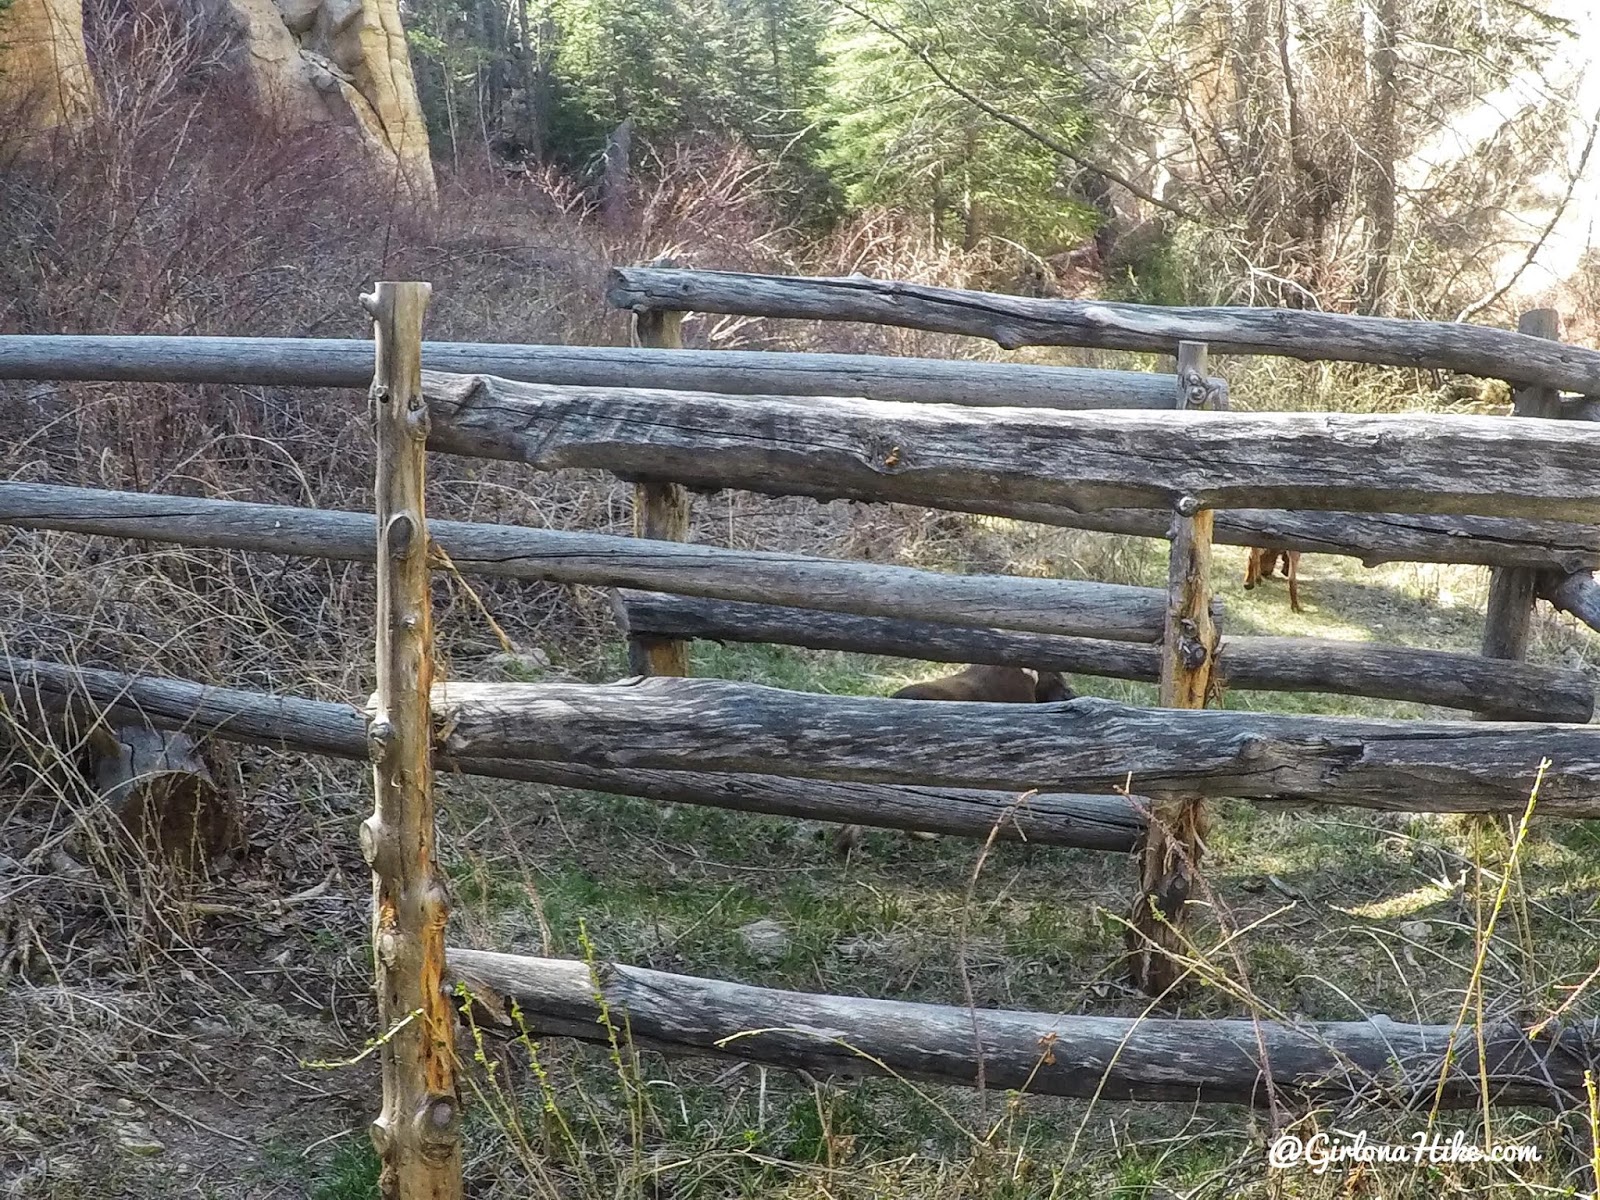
(1176, 836)
(660, 509)
(416, 1135)
(1508, 618)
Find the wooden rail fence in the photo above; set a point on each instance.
(1051, 444)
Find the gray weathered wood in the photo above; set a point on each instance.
(1510, 691)
(164, 795)
(347, 362)
(1508, 615)
(1009, 602)
(931, 641)
(1372, 537)
(1014, 321)
(1578, 594)
(1082, 745)
(996, 459)
(285, 722)
(1375, 1062)
(339, 730)
(1045, 818)
(522, 553)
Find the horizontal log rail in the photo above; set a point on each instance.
(1373, 1062)
(347, 362)
(1372, 537)
(339, 730)
(521, 553)
(1500, 688)
(996, 460)
(1241, 742)
(1084, 745)
(1089, 822)
(1013, 321)
(1012, 602)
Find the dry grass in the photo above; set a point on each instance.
(135, 999)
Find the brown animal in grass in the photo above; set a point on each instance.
(991, 685)
(1260, 568)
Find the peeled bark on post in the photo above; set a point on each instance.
(1178, 820)
(417, 1134)
(660, 509)
(1508, 618)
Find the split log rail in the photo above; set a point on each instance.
(1076, 448)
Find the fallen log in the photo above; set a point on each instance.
(1511, 691)
(163, 795)
(995, 460)
(1005, 601)
(1372, 1062)
(339, 730)
(1084, 745)
(347, 362)
(1013, 321)
(1577, 593)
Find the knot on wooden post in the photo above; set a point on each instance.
(373, 839)
(419, 419)
(1197, 389)
(382, 1136)
(398, 536)
(380, 739)
(1192, 651)
(435, 1125)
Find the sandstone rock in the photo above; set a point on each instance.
(346, 62)
(44, 68)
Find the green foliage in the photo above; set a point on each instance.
(552, 79)
(351, 1174)
(898, 135)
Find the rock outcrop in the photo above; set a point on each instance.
(44, 71)
(344, 61)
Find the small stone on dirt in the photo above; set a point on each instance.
(135, 1138)
(1417, 931)
(766, 939)
(520, 664)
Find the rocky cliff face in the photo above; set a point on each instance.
(310, 61)
(44, 72)
(346, 61)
